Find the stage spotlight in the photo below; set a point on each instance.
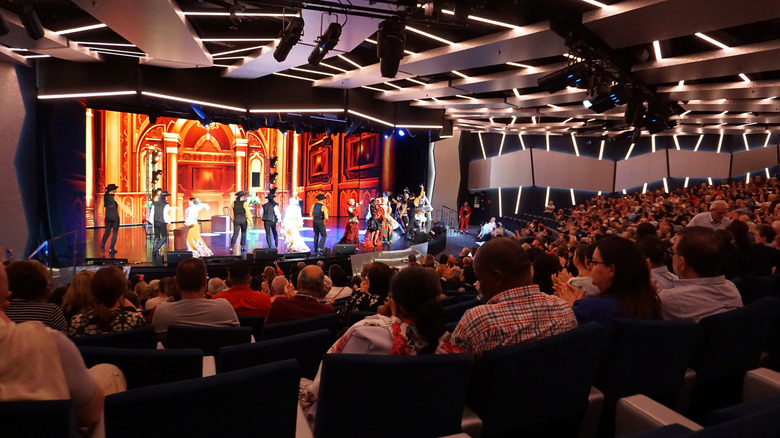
(390, 43)
(387, 136)
(570, 76)
(401, 133)
(31, 22)
(289, 37)
(353, 127)
(4, 29)
(272, 163)
(658, 113)
(325, 43)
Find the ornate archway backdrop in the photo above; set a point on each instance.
(213, 162)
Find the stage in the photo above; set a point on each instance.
(135, 245)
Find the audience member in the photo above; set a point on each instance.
(305, 303)
(142, 291)
(373, 291)
(109, 314)
(279, 288)
(157, 294)
(516, 310)
(701, 291)
(78, 297)
(767, 258)
(341, 287)
(545, 266)
(619, 269)
(581, 261)
(715, 218)
(245, 301)
(30, 287)
(655, 252)
(193, 308)
(215, 285)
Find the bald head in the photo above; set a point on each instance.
(278, 284)
(501, 264)
(310, 281)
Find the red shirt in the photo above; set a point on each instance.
(301, 306)
(246, 301)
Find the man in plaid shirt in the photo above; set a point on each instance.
(516, 310)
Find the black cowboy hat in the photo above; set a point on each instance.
(320, 197)
(164, 194)
(240, 193)
(111, 186)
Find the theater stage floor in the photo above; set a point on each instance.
(134, 245)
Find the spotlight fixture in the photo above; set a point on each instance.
(272, 177)
(604, 98)
(289, 37)
(353, 127)
(272, 163)
(574, 75)
(31, 22)
(658, 114)
(401, 133)
(236, 8)
(390, 43)
(325, 43)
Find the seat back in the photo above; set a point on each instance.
(208, 339)
(647, 357)
(33, 419)
(134, 338)
(330, 322)
(449, 301)
(256, 401)
(753, 288)
(307, 348)
(537, 388)
(403, 396)
(256, 323)
(454, 312)
(357, 315)
(145, 367)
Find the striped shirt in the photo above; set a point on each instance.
(49, 314)
(513, 316)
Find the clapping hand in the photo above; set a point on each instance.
(568, 292)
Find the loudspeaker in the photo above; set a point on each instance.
(421, 237)
(104, 261)
(174, 257)
(215, 260)
(341, 249)
(262, 255)
(296, 255)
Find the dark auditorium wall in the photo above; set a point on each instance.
(12, 222)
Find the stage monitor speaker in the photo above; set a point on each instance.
(217, 260)
(341, 249)
(104, 261)
(262, 255)
(421, 237)
(296, 255)
(174, 257)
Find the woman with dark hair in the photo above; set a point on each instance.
(108, 288)
(29, 286)
(415, 326)
(620, 271)
(545, 266)
(341, 287)
(373, 291)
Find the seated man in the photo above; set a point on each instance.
(487, 229)
(305, 303)
(701, 291)
(245, 300)
(42, 364)
(279, 286)
(194, 308)
(516, 310)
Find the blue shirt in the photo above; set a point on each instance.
(598, 309)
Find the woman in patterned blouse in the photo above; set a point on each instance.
(373, 290)
(108, 288)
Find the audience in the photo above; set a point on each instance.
(373, 291)
(280, 287)
(516, 310)
(29, 282)
(619, 269)
(341, 287)
(655, 252)
(109, 314)
(193, 308)
(305, 303)
(245, 301)
(701, 291)
(78, 298)
(157, 293)
(715, 218)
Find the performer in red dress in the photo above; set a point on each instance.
(464, 214)
(351, 233)
(374, 226)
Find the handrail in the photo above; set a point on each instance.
(46, 245)
(450, 218)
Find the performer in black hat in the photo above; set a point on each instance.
(111, 218)
(319, 212)
(161, 216)
(271, 215)
(240, 209)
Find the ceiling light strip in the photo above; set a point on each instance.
(76, 95)
(711, 40)
(80, 29)
(239, 14)
(237, 40)
(296, 110)
(657, 50)
(482, 145)
(333, 67)
(230, 52)
(431, 36)
(373, 119)
(373, 88)
(197, 102)
(294, 76)
(350, 61)
(95, 43)
(311, 71)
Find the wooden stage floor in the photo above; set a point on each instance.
(134, 245)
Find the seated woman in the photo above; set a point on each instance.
(415, 326)
(373, 290)
(28, 282)
(78, 297)
(619, 269)
(108, 288)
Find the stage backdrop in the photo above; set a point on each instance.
(213, 162)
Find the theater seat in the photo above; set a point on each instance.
(208, 339)
(330, 322)
(34, 419)
(145, 367)
(135, 338)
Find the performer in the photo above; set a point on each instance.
(291, 226)
(423, 211)
(161, 218)
(195, 243)
(374, 225)
(351, 232)
(464, 214)
(410, 208)
(388, 224)
(111, 218)
(240, 209)
(319, 212)
(271, 216)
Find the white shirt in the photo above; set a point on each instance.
(191, 214)
(705, 220)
